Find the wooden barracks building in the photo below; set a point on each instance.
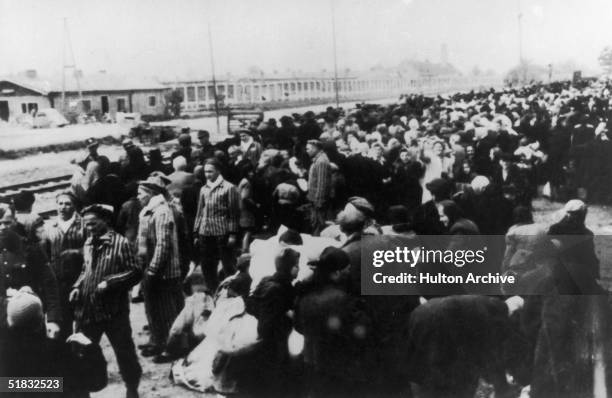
(99, 92)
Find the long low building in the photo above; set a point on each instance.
(102, 93)
(199, 93)
(98, 93)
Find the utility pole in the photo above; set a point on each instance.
(69, 66)
(214, 79)
(520, 33)
(336, 88)
(550, 71)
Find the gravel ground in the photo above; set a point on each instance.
(155, 381)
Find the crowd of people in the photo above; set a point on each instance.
(463, 165)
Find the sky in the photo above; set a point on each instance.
(169, 39)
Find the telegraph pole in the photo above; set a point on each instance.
(522, 65)
(214, 80)
(71, 66)
(520, 32)
(336, 88)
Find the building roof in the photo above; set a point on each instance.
(35, 85)
(257, 77)
(408, 69)
(99, 81)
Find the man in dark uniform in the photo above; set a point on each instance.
(26, 265)
(206, 150)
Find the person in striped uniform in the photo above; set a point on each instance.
(101, 293)
(319, 186)
(216, 224)
(159, 256)
(62, 242)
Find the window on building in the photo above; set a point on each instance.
(32, 106)
(191, 94)
(230, 91)
(86, 105)
(24, 108)
(201, 93)
(121, 105)
(152, 101)
(211, 93)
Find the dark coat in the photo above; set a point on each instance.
(388, 315)
(329, 317)
(456, 340)
(23, 264)
(426, 220)
(83, 368)
(405, 188)
(577, 252)
(269, 303)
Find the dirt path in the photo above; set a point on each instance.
(155, 381)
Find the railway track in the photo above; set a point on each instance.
(43, 186)
(37, 186)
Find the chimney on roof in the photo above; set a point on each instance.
(31, 73)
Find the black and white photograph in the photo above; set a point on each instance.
(306, 199)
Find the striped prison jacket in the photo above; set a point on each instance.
(55, 241)
(157, 242)
(320, 180)
(218, 209)
(108, 258)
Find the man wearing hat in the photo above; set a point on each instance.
(160, 258)
(216, 224)
(205, 150)
(92, 147)
(133, 164)
(101, 293)
(319, 185)
(335, 330)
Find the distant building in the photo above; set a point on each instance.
(297, 87)
(92, 93)
(199, 94)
